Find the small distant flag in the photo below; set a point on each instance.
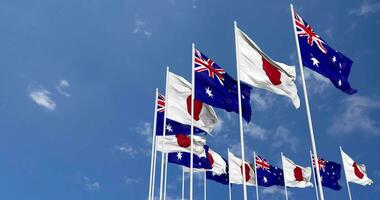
(236, 173)
(355, 173)
(330, 173)
(259, 70)
(321, 58)
(296, 175)
(268, 175)
(215, 87)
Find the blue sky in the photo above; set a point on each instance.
(78, 77)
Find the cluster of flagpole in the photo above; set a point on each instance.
(164, 155)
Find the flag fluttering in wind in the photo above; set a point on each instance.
(236, 173)
(259, 70)
(183, 158)
(355, 173)
(215, 87)
(330, 173)
(222, 178)
(296, 175)
(181, 143)
(172, 127)
(268, 175)
(178, 105)
(320, 57)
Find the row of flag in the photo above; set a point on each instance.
(185, 114)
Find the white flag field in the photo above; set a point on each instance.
(355, 173)
(296, 175)
(178, 105)
(236, 173)
(181, 143)
(258, 70)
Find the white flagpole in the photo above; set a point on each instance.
(240, 113)
(229, 183)
(204, 186)
(348, 185)
(152, 159)
(183, 184)
(286, 190)
(313, 170)
(154, 168)
(257, 183)
(163, 134)
(314, 148)
(166, 174)
(192, 121)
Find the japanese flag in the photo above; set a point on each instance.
(181, 143)
(257, 69)
(355, 172)
(178, 105)
(236, 173)
(295, 175)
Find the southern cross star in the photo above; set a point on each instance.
(209, 92)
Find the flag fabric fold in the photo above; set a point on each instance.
(215, 87)
(355, 173)
(318, 56)
(181, 143)
(183, 158)
(178, 105)
(236, 173)
(258, 70)
(330, 173)
(296, 175)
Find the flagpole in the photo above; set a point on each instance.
(229, 178)
(286, 190)
(154, 168)
(151, 184)
(166, 174)
(163, 133)
(348, 185)
(240, 113)
(204, 186)
(257, 183)
(315, 181)
(192, 121)
(314, 148)
(183, 184)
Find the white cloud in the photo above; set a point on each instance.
(283, 137)
(218, 126)
(275, 190)
(366, 8)
(315, 82)
(62, 84)
(41, 97)
(356, 116)
(256, 131)
(261, 102)
(127, 149)
(91, 185)
(145, 129)
(141, 27)
(129, 180)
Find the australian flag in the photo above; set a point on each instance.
(320, 57)
(222, 178)
(183, 158)
(172, 127)
(215, 87)
(268, 175)
(330, 173)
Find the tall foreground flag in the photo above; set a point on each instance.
(330, 173)
(172, 127)
(296, 175)
(215, 87)
(259, 70)
(355, 172)
(268, 175)
(321, 58)
(236, 173)
(178, 105)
